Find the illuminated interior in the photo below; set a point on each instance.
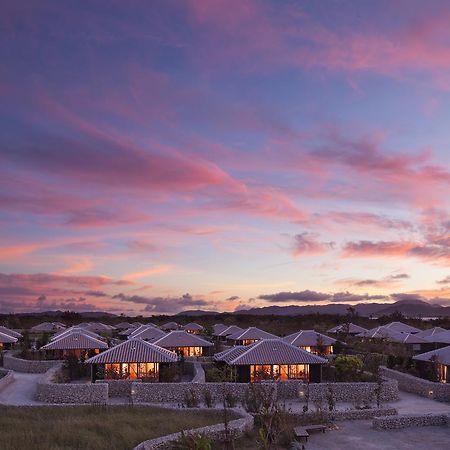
(132, 371)
(263, 372)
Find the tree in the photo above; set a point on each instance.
(348, 368)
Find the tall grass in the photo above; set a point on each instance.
(93, 428)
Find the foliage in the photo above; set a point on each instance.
(193, 441)
(169, 373)
(330, 398)
(230, 399)
(208, 399)
(219, 374)
(348, 368)
(190, 399)
(257, 397)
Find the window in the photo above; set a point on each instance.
(299, 372)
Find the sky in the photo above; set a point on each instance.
(224, 154)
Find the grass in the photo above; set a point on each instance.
(93, 428)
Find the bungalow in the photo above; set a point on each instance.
(132, 359)
(440, 358)
(10, 332)
(123, 326)
(128, 331)
(218, 328)
(347, 328)
(98, 327)
(430, 332)
(401, 327)
(170, 326)
(272, 359)
(441, 339)
(249, 336)
(381, 333)
(147, 333)
(76, 344)
(311, 341)
(222, 335)
(183, 343)
(70, 330)
(193, 328)
(46, 327)
(413, 343)
(6, 339)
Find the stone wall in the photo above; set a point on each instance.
(49, 392)
(119, 388)
(28, 366)
(419, 386)
(216, 432)
(409, 420)
(7, 379)
(352, 414)
(342, 392)
(175, 392)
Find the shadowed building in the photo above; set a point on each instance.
(249, 336)
(436, 362)
(132, 359)
(347, 328)
(272, 359)
(311, 341)
(193, 328)
(6, 340)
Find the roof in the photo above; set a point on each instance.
(251, 333)
(10, 332)
(269, 351)
(63, 333)
(182, 339)
(350, 328)
(98, 327)
(218, 328)
(128, 331)
(231, 353)
(442, 356)
(170, 326)
(440, 338)
(232, 329)
(410, 338)
(134, 350)
(123, 325)
(401, 327)
(75, 340)
(148, 334)
(46, 327)
(7, 339)
(193, 326)
(430, 332)
(381, 333)
(141, 328)
(308, 338)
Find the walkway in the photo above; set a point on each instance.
(21, 391)
(199, 373)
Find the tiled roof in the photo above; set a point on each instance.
(63, 333)
(232, 329)
(270, 351)
(134, 351)
(251, 333)
(381, 333)
(10, 332)
(148, 334)
(400, 327)
(350, 328)
(439, 338)
(308, 338)
(46, 327)
(218, 328)
(128, 331)
(123, 326)
(410, 338)
(75, 340)
(430, 332)
(170, 326)
(181, 339)
(141, 328)
(231, 353)
(7, 339)
(192, 326)
(442, 356)
(98, 327)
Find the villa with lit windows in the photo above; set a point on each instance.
(312, 342)
(437, 361)
(184, 344)
(6, 340)
(271, 359)
(249, 336)
(131, 360)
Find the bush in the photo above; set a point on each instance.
(219, 374)
(191, 399)
(208, 399)
(348, 368)
(193, 441)
(230, 400)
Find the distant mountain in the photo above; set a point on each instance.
(86, 314)
(410, 308)
(197, 312)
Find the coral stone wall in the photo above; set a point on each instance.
(410, 420)
(27, 366)
(119, 388)
(6, 380)
(49, 392)
(419, 386)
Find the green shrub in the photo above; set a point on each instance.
(348, 368)
(191, 399)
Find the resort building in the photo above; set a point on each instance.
(437, 361)
(170, 326)
(428, 332)
(311, 341)
(249, 336)
(70, 330)
(347, 328)
(381, 333)
(75, 344)
(6, 340)
(412, 342)
(272, 359)
(218, 328)
(222, 335)
(46, 327)
(193, 328)
(132, 359)
(123, 326)
(401, 327)
(147, 333)
(10, 332)
(184, 344)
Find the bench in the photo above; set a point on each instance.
(303, 432)
(321, 428)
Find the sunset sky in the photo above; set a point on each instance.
(170, 155)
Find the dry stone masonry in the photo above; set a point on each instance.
(27, 366)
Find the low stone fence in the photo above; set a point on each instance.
(49, 392)
(26, 365)
(216, 432)
(119, 388)
(419, 386)
(342, 392)
(410, 420)
(351, 414)
(6, 379)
